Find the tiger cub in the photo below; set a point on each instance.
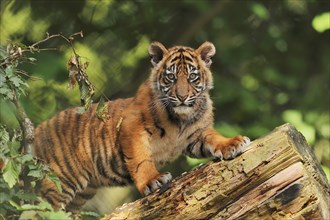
(170, 115)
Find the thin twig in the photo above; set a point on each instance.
(27, 75)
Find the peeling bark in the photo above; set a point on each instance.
(277, 177)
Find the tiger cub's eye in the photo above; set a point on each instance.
(170, 76)
(193, 76)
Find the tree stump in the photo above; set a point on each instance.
(277, 177)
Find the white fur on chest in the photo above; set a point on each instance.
(167, 148)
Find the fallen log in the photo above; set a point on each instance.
(277, 177)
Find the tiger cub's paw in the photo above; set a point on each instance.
(156, 183)
(232, 148)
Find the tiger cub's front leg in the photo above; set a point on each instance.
(211, 143)
(142, 167)
(222, 147)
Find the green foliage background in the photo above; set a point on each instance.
(271, 67)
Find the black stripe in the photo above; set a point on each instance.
(49, 199)
(138, 166)
(117, 152)
(86, 143)
(101, 146)
(120, 178)
(190, 147)
(175, 58)
(161, 130)
(172, 116)
(67, 158)
(51, 145)
(100, 167)
(91, 143)
(196, 131)
(75, 135)
(156, 122)
(70, 194)
(39, 142)
(201, 149)
(86, 195)
(53, 194)
(48, 145)
(77, 202)
(74, 206)
(191, 53)
(115, 167)
(122, 160)
(143, 121)
(148, 131)
(104, 138)
(49, 191)
(68, 183)
(188, 58)
(114, 180)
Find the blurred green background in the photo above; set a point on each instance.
(271, 66)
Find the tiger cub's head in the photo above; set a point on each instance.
(181, 76)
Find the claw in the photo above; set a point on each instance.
(157, 183)
(235, 148)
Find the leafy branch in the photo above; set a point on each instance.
(16, 160)
(12, 85)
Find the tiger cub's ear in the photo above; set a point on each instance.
(206, 52)
(156, 52)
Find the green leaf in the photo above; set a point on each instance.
(26, 207)
(30, 214)
(7, 92)
(86, 94)
(16, 80)
(11, 172)
(55, 215)
(14, 148)
(14, 204)
(2, 80)
(101, 110)
(54, 178)
(35, 173)
(10, 71)
(4, 197)
(80, 110)
(90, 214)
(32, 166)
(45, 205)
(4, 136)
(42, 206)
(3, 53)
(25, 196)
(26, 158)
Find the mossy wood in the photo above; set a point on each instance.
(277, 177)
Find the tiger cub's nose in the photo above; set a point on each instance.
(182, 98)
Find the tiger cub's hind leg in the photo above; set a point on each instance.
(56, 198)
(81, 198)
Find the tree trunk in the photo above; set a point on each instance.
(277, 177)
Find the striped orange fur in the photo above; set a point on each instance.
(170, 115)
